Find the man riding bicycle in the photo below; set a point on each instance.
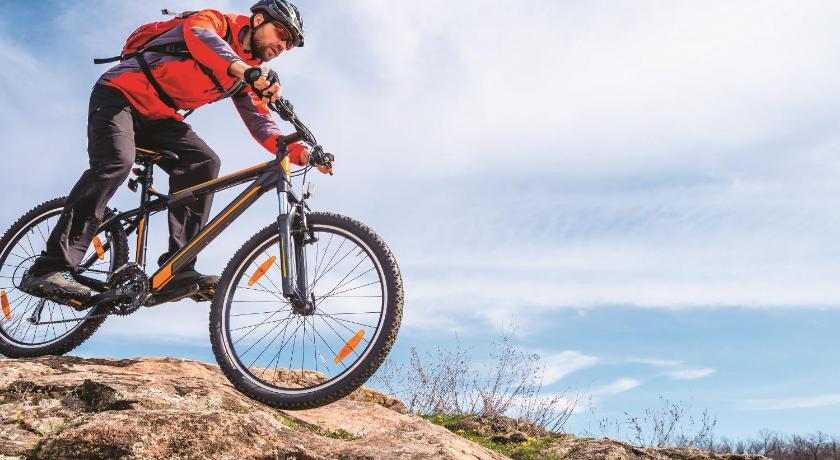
(207, 57)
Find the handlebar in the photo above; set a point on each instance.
(286, 110)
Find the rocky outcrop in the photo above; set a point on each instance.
(67, 407)
(74, 408)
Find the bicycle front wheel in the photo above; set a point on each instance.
(292, 360)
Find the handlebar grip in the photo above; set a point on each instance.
(291, 138)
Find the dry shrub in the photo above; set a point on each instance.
(816, 446)
(447, 382)
(672, 424)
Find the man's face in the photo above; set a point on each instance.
(271, 39)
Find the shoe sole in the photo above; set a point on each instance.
(58, 295)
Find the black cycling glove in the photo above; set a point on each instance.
(254, 73)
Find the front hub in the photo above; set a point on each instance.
(303, 306)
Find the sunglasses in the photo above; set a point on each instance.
(285, 35)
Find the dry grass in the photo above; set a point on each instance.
(448, 383)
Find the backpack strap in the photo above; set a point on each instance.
(107, 60)
(177, 49)
(144, 66)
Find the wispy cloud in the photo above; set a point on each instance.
(791, 403)
(690, 374)
(619, 386)
(559, 365)
(675, 373)
(655, 362)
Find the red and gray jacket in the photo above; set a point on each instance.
(185, 79)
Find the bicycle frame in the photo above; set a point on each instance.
(274, 174)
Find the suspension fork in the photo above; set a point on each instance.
(291, 243)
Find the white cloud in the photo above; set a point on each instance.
(792, 403)
(690, 374)
(655, 362)
(680, 156)
(614, 93)
(619, 386)
(560, 364)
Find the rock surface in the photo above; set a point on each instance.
(68, 407)
(573, 448)
(149, 408)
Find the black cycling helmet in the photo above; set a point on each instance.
(283, 12)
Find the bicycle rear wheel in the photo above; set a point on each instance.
(61, 328)
(293, 361)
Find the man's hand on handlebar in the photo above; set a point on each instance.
(265, 82)
(325, 164)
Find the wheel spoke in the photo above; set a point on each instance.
(330, 268)
(28, 240)
(353, 289)
(42, 234)
(323, 256)
(327, 344)
(345, 277)
(340, 338)
(272, 341)
(348, 281)
(346, 320)
(276, 357)
(252, 330)
(331, 260)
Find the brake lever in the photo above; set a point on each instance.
(319, 157)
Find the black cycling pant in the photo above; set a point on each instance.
(114, 129)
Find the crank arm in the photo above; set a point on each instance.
(111, 295)
(173, 296)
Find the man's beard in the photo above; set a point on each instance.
(259, 49)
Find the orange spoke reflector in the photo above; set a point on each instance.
(349, 347)
(97, 244)
(7, 311)
(261, 271)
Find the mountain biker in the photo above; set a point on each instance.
(130, 108)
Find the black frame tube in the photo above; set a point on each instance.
(264, 178)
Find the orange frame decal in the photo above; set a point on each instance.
(139, 253)
(165, 273)
(222, 178)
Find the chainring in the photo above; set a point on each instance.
(129, 277)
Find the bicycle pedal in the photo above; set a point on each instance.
(173, 295)
(204, 296)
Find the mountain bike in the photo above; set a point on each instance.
(305, 311)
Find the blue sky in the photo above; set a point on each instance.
(648, 189)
